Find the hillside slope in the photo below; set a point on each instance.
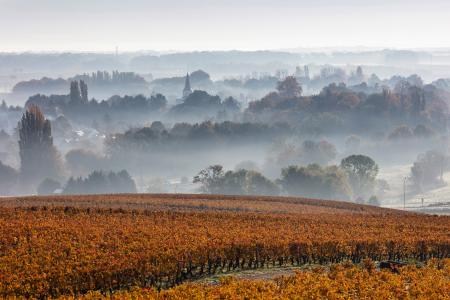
(70, 245)
(198, 202)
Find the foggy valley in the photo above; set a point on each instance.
(164, 131)
(239, 149)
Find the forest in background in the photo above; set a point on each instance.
(284, 143)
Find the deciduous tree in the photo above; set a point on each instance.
(38, 156)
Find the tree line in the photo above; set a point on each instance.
(340, 108)
(354, 179)
(41, 167)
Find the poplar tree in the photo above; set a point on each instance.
(38, 156)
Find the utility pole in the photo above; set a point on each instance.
(404, 193)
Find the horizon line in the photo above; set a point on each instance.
(294, 50)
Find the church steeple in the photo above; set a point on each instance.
(187, 87)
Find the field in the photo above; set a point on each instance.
(343, 281)
(83, 245)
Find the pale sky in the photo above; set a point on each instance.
(101, 25)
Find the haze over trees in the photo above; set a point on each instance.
(38, 156)
(314, 181)
(128, 172)
(337, 108)
(157, 137)
(200, 106)
(215, 180)
(101, 83)
(289, 88)
(82, 162)
(427, 171)
(79, 108)
(354, 180)
(48, 187)
(8, 179)
(99, 182)
(362, 172)
(308, 151)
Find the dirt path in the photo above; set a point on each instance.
(257, 274)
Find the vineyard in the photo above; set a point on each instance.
(71, 246)
(343, 281)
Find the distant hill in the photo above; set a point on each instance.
(102, 84)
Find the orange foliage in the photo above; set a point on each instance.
(341, 282)
(72, 245)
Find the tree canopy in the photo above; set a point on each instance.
(362, 172)
(315, 181)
